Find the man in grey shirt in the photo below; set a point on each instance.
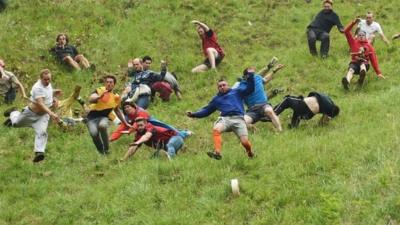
(8, 85)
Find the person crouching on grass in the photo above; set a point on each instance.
(156, 137)
(230, 103)
(362, 53)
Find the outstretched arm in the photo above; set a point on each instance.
(21, 87)
(136, 145)
(384, 38)
(203, 25)
(269, 76)
(203, 112)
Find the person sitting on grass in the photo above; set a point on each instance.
(230, 103)
(67, 54)
(362, 53)
(103, 100)
(160, 86)
(8, 85)
(211, 49)
(160, 138)
(306, 108)
(139, 89)
(258, 107)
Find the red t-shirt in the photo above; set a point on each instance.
(160, 136)
(210, 41)
(139, 112)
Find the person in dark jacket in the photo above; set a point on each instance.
(230, 103)
(320, 28)
(68, 54)
(306, 108)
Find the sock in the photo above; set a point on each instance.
(217, 141)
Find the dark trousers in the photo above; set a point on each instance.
(299, 107)
(10, 96)
(313, 35)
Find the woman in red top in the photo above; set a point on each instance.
(211, 49)
(362, 53)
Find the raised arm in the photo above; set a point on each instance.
(347, 31)
(269, 76)
(203, 25)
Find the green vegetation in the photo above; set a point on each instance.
(344, 173)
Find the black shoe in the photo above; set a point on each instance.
(362, 77)
(345, 84)
(9, 111)
(251, 154)
(7, 123)
(214, 155)
(39, 156)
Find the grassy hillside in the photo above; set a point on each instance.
(344, 173)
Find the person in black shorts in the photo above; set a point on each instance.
(306, 108)
(66, 53)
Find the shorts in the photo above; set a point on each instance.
(257, 113)
(233, 123)
(218, 60)
(356, 67)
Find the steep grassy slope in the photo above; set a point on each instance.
(343, 173)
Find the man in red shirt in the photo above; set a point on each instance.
(362, 53)
(156, 137)
(211, 49)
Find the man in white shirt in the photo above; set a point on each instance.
(37, 113)
(371, 28)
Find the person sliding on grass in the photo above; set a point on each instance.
(156, 137)
(132, 111)
(361, 53)
(211, 49)
(230, 103)
(37, 113)
(164, 87)
(103, 100)
(306, 108)
(66, 53)
(258, 107)
(142, 81)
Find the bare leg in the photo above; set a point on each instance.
(211, 55)
(349, 75)
(83, 61)
(274, 118)
(70, 61)
(200, 68)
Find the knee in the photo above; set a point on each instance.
(68, 59)
(325, 36)
(269, 112)
(212, 51)
(79, 57)
(216, 131)
(103, 125)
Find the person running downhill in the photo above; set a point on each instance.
(230, 103)
(320, 27)
(362, 53)
(211, 49)
(306, 108)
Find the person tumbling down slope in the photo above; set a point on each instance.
(230, 103)
(103, 100)
(37, 113)
(156, 137)
(211, 49)
(306, 108)
(362, 53)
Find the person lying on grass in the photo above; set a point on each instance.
(306, 108)
(159, 138)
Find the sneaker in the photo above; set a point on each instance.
(39, 156)
(272, 62)
(345, 84)
(214, 155)
(396, 36)
(362, 77)
(7, 123)
(9, 111)
(251, 154)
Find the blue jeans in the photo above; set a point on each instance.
(158, 123)
(98, 130)
(174, 144)
(143, 101)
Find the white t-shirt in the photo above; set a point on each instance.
(40, 91)
(370, 29)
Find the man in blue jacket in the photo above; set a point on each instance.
(230, 103)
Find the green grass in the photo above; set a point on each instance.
(344, 173)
